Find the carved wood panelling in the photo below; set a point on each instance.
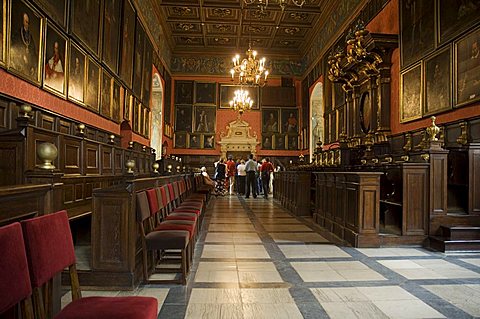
(92, 158)
(72, 156)
(3, 115)
(474, 181)
(415, 188)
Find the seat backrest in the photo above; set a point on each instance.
(164, 195)
(14, 276)
(152, 201)
(49, 246)
(142, 206)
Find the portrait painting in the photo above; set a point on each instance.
(227, 92)
(183, 118)
(205, 117)
(267, 143)
(127, 105)
(417, 27)
(116, 95)
(137, 110)
(25, 41)
(93, 85)
(270, 121)
(194, 140)
(438, 83)
(209, 141)
(183, 92)
(293, 142)
(147, 122)
(56, 10)
(111, 33)
(206, 93)
(105, 103)
(76, 74)
(54, 68)
(147, 72)
(141, 120)
(85, 22)
(468, 69)
(457, 16)
(279, 142)
(138, 60)
(411, 94)
(180, 139)
(289, 121)
(128, 43)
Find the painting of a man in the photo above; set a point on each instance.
(468, 78)
(77, 72)
(55, 62)
(111, 33)
(128, 38)
(85, 22)
(204, 119)
(25, 38)
(438, 83)
(93, 84)
(270, 121)
(290, 124)
(183, 118)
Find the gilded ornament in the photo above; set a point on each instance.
(47, 153)
(25, 109)
(462, 139)
(426, 157)
(130, 164)
(408, 144)
(182, 11)
(405, 158)
(81, 128)
(155, 167)
(292, 31)
(433, 130)
(222, 12)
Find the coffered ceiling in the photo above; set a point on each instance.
(219, 26)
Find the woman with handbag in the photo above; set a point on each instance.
(220, 175)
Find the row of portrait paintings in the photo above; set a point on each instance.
(140, 118)
(40, 52)
(420, 20)
(194, 140)
(205, 94)
(280, 142)
(198, 119)
(276, 120)
(426, 87)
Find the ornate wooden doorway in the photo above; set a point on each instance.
(238, 140)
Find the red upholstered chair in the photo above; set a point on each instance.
(49, 247)
(15, 287)
(175, 237)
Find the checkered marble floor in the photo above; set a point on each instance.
(255, 260)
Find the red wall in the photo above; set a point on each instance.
(388, 21)
(223, 117)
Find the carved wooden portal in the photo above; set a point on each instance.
(238, 138)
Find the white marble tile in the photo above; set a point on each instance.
(392, 252)
(360, 275)
(214, 311)
(313, 251)
(266, 296)
(218, 251)
(218, 276)
(259, 276)
(465, 297)
(342, 294)
(360, 310)
(407, 309)
(231, 227)
(386, 293)
(286, 228)
(428, 269)
(215, 296)
(298, 238)
(271, 311)
(251, 251)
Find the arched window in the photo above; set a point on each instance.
(157, 122)
(316, 117)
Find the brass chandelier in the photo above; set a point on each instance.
(241, 101)
(250, 71)
(263, 4)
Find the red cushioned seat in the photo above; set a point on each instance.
(179, 217)
(187, 210)
(110, 307)
(172, 226)
(49, 248)
(15, 284)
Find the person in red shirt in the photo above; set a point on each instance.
(231, 168)
(265, 171)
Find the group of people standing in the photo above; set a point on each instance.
(245, 178)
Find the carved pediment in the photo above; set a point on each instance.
(238, 137)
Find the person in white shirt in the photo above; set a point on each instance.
(251, 169)
(242, 175)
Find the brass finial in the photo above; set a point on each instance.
(130, 164)
(155, 167)
(130, 144)
(433, 130)
(111, 138)
(25, 109)
(47, 153)
(81, 128)
(462, 139)
(426, 157)
(408, 144)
